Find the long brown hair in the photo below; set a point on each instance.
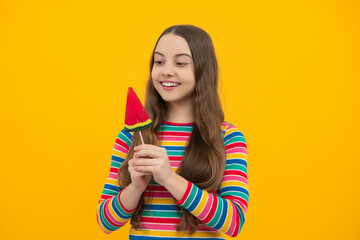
(203, 162)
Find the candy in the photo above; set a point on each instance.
(136, 118)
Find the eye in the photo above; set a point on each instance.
(181, 63)
(158, 62)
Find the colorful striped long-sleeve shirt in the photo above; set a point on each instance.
(221, 211)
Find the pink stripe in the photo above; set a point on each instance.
(175, 164)
(120, 148)
(113, 176)
(206, 209)
(158, 194)
(234, 178)
(156, 226)
(172, 138)
(233, 218)
(225, 124)
(243, 206)
(113, 221)
(237, 150)
(170, 227)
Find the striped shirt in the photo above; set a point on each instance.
(221, 211)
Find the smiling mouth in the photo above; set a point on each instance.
(170, 84)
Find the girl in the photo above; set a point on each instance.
(190, 179)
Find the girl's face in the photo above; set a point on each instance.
(173, 70)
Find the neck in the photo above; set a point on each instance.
(180, 112)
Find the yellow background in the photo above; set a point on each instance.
(290, 82)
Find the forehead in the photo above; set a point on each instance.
(171, 45)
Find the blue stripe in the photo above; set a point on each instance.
(117, 159)
(223, 214)
(129, 135)
(174, 148)
(233, 188)
(238, 161)
(117, 211)
(241, 214)
(162, 207)
(112, 187)
(198, 195)
(103, 220)
(137, 237)
(233, 134)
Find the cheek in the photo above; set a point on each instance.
(190, 77)
(154, 73)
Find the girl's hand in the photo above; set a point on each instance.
(153, 159)
(140, 180)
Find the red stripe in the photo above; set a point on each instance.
(121, 143)
(122, 206)
(158, 194)
(175, 158)
(214, 191)
(186, 194)
(236, 200)
(231, 198)
(159, 220)
(114, 170)
(212, 211)
(237, 221)
(174, 133)
(243, 201)
(157, 188)
(106, 206)
(179, 124)
(235, 172)
(236, 144)
(105, 197)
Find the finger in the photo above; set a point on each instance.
(141, 146)
(136, 172)
(145, 162)
(145, 168)
(144, 173)
(150, 151)
(131, 162)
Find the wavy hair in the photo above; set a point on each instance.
(204, 159)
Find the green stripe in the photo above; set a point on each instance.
(125, 139)
(236, 167)
(219, 209)
(176, 128)
(235, 139)
(152, 182)
(117, 204)
(115, 164)
(103, 218)
(191, 196)
(165, 214)
(110, 192)
(175, 153)
(237, 194)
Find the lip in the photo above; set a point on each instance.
(168, 88)
(168, 81)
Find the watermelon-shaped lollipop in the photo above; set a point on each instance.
(136, 118)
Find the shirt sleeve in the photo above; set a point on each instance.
(111, 214)
(226, 211)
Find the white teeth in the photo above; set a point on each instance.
(168, 84)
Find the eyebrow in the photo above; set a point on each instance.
(176, 55)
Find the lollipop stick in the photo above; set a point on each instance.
(142, 140)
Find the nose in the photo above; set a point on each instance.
(167, 70)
